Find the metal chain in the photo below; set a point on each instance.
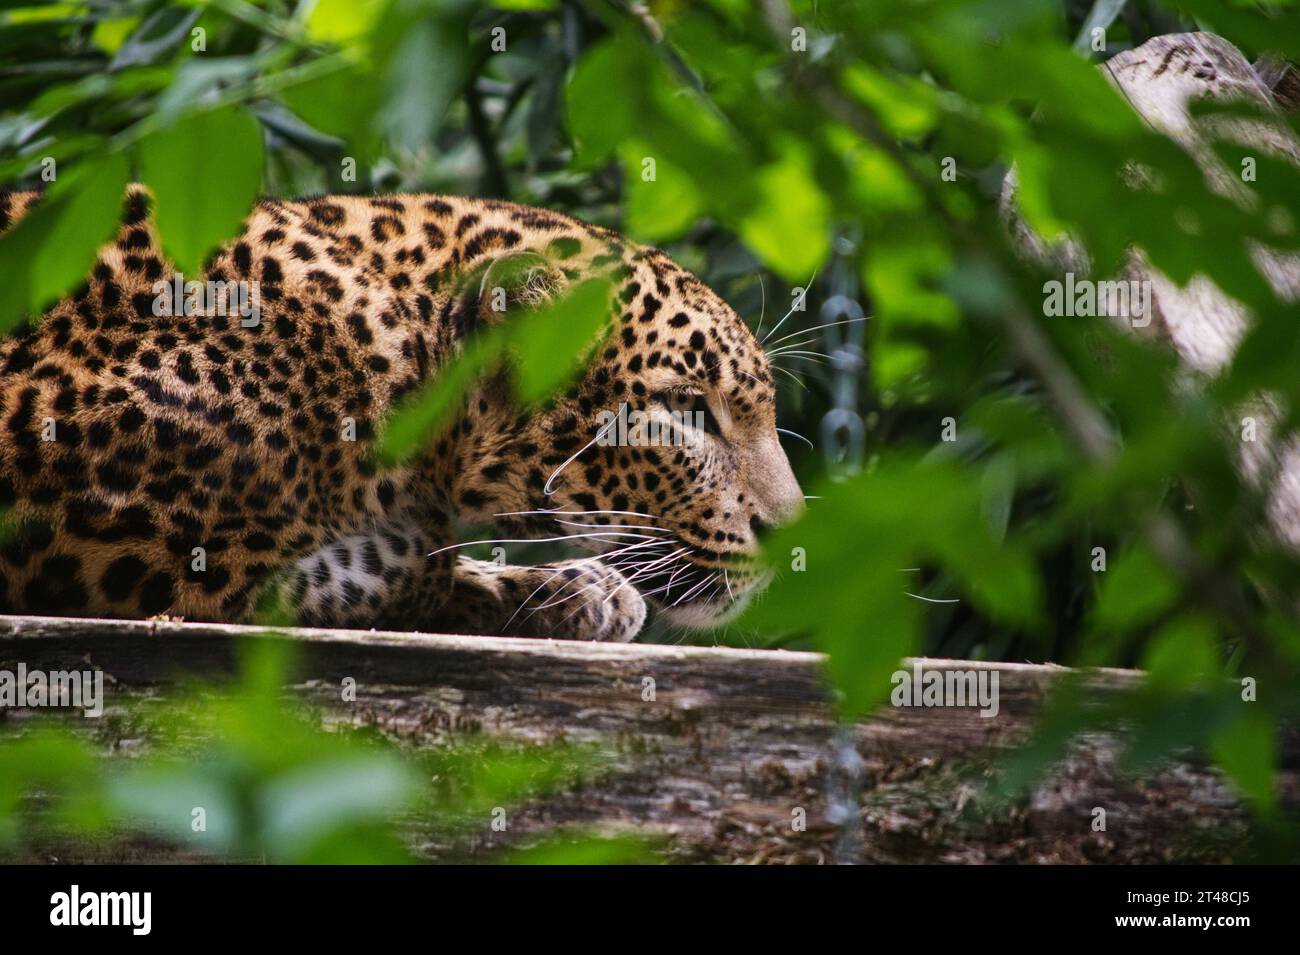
(845, 779)
(843, 433)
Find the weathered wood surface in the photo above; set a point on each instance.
(733, 743)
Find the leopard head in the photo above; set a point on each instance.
(664, 455)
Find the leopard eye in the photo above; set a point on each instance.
(692, 406)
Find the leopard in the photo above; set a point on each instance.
(188, 462)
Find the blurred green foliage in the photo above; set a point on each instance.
(238, 773)
(545, 346)
(779, 136)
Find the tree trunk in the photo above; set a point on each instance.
(1161, 80)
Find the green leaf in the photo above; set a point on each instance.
(597, 98)
(905, 106)
(304, 807)
(428, 68)
(524, 4)
(663, 207)
(1247, 751)
(195, 79)
(43, 760)
(877, 183)
(789, 227)
(1134, 590)
(160, 37)
(548, 345)
(419, 419)
(205, 173)
(553, 343)
(901, 272)
(1183, 655)
(1271, 28)
(344, 21)
(343, 103)
(54, 246)
(110, 35)
(998, 494)
(161, 798)
(852, 593)
(1004, 583)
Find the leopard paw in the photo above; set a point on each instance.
(572, 600)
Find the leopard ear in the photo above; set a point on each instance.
(519, 280)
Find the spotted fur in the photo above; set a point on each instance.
(179, 432)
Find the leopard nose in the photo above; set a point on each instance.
(779, 498)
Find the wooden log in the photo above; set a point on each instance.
(733, 749)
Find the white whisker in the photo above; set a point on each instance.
(532, 540)
(797, 302)
(700, 586)
(800, 353)
(548, 489)
(581, 607)
(796, 434)
(785, 371)
(586, 560)
(802, 331)
(805, 343)
(654, 564)
(931, 600)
